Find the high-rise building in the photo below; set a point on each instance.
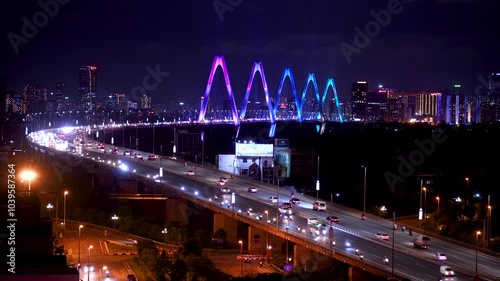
(59, 96)
(428, 106)
(456, 107)
(376, 104)
(359, 92)
(145, 102)
(87, 87)
(494, 83)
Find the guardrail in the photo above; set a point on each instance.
(119, 233)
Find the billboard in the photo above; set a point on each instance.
(254, 150)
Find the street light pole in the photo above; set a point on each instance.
(267, 234)
(393, 223)
(420, 212)
(477, 246)
(79, 243)
(425, 202)
(488, 234)
(161, 164)
(437, 198)
(64, 219)
(467, 192)
(114, 218)
(364, 191)
(286, 244)
(317, 181)
(136, 137)
(49, 207)
(153, 138)
(241, 257)
(88, 264)
(165, 231)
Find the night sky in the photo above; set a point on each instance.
(429, 44)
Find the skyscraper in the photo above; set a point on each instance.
(359, 91)
(59, 96)
(87, 87)
(428, 106)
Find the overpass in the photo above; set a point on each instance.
(349, 234)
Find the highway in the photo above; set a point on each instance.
(350, 233)
(116, 265)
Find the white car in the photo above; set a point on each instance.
(221, 182)
(441, 257)
(252, 189)
(382, 236)
(189, 173)
(312, 220)
(446, 271)
(224, 179)
(273, 199)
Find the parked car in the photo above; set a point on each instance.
(252, 189)
(446, 271)
(382, 236)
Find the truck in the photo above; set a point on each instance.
(422, 242)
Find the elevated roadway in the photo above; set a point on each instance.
(350, 233)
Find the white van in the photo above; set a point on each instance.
(319, 206)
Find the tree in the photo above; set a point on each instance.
(191, 247)
(90, 215)
(220, 234)
(147, 252)
(102, 218)
(203, 236)
(178, 270)
(178, 235)
(124, 211)
(202, 268)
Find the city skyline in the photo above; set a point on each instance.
(416, 54)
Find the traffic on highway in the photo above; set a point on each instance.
(336, 227)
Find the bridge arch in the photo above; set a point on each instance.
(287, 72)
(330, 83)
(257, 67)
(311, 78)
(219, 62)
